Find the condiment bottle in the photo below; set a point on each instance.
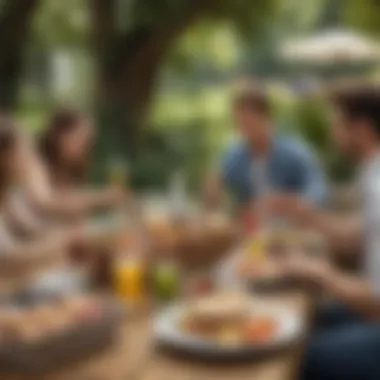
(166, 278)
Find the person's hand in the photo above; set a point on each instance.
(317, 271)
(69, 235)
(115, 195)
(287, 205)
(212, 192)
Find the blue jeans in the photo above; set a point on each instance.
(344, 346)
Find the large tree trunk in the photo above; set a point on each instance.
(15, 22)
(128, 67)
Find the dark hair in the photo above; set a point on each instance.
(8, 141)
(252, 96)
(360, 103)
(61, 123)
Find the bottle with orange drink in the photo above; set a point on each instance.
(129, 268)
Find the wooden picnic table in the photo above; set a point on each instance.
(135, 356)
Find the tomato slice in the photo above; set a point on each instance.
(259, 329)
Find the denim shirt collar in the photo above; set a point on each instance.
(276, 145)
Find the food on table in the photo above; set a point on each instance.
(216, 222)
(157, 222)
(259, 328)
(263, 254)
(199, 285)
(227, 319)
(313, 243)
(255, 247)
(40, 321)
(279, 243)
(255, 260)
(250, 222)
(161, 230)
(264, 268)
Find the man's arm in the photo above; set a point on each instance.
(355, 292)
(78, 202)
(223, 178)
(342, 233)
(49, 246)
(213, 192)
(312, 176)
(83, 201)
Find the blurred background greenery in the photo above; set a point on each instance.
(157, 74)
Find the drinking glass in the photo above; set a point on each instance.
(129, 276)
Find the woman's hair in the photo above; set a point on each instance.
(62, 122)
(8, 141)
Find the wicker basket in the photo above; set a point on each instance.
(16, 272)
(61, 349)
(196, 242)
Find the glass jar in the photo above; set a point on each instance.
(166, 280)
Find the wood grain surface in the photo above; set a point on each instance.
(135, 356)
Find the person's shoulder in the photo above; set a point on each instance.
(293, 145)
(234, 152)
(233, 159)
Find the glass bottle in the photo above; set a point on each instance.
(166, 278)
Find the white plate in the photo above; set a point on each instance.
(59, 281)
(290, 329)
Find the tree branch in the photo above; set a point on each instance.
(103, 21)
(144, 40)
(132, 66)
(15, 22)
(161, 38)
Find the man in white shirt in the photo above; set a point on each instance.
(348, 346)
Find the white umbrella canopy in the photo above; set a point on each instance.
(333, 46)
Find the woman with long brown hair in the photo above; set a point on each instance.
(65, 148)
(14, 165)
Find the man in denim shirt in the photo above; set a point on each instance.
(263, 160)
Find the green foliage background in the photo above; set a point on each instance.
(189, 124)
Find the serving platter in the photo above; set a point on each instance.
(289, 330)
